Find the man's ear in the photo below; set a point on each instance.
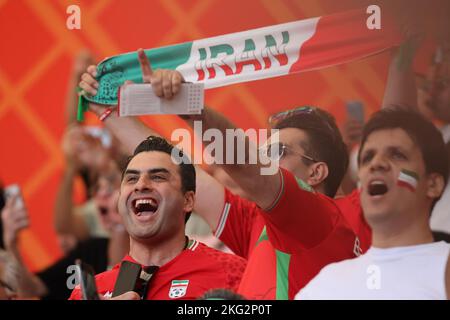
(189, 200)
(435, 185)
(318, 172)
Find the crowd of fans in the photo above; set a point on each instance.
(361, 213)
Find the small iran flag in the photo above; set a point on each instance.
(408, 179)
(178, 289)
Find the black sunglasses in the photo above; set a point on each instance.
(276, 151)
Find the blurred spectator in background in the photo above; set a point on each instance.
(2, 204)
(86, 150)
(83, 152)
(68, 230)
(99, 252)
(8, 276)
(351, 133)
(435, 90)
(15, 277)
(8, 286)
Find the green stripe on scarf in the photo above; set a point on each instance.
(113, 72)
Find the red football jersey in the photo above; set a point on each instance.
(350, 206)
(189, 275)
(289, 244)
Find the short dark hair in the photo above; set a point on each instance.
(221, 294)
(423, 132)
(324, 143)
(186, 168)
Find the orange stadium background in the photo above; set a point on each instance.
(37, 53)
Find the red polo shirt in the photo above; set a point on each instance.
(189, 275)
(287, 245)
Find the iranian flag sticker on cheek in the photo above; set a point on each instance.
(408, 179)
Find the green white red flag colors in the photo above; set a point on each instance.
(178, 288)
(256, 54)
(408, 179)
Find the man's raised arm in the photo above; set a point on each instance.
(240, 158)
(401, 88)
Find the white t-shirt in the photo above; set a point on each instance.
(412, 272)
(440, 217)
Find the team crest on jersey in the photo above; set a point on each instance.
(178, 289)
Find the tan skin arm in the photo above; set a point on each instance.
(66, 220)
(15, 220)
(261, 189)
(401, 84)
(82, 61)
(80, 150)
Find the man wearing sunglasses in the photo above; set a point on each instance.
(292, 227)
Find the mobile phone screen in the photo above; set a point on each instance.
(13, 190)
(87, 281)
(356, 110)
(100, 133)
(127, 279)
